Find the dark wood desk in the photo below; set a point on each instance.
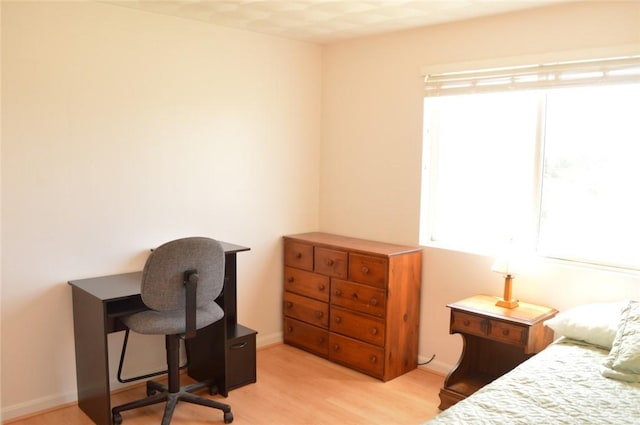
(224, 351)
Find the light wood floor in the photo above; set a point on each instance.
(293, 388)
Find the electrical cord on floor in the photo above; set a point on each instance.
(428, 361)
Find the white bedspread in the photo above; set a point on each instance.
(560, 385)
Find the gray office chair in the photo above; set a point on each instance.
(180, 282)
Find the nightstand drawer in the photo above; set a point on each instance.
(306, 309)
(469, 324)
(507, 332)
(298, 255)
(306, 283)
(330, 262)
(368, 269)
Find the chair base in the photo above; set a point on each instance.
(158, 393)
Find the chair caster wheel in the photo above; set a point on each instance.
(117, 419)
(150, 390)
(228, 417)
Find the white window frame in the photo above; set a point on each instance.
(624, 56)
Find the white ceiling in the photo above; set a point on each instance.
(324, 21)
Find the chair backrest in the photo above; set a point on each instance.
(162, 286)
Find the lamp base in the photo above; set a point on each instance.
(507, 304)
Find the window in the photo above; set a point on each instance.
(555, 167)
(590, 205)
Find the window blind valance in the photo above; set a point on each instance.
(535, 76)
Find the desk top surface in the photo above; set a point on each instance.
(117, 286)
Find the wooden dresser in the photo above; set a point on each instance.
(353, 301)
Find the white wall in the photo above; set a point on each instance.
(115, 119)
(372, 120)
(125, 129)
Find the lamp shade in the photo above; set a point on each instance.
(507, 265)
(509, 262)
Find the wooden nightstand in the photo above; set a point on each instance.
(496, 339)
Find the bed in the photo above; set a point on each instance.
(589, 375)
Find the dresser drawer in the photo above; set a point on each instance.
(363, 298)
(306, 309)
(359, 326)
(508, 332)
(358, 355)
(330, 262)
(368, 269)
(298, 255)
(307, 337)
(469, 324)
(306, 283)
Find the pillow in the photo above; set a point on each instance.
(623, 362)
(595, 324)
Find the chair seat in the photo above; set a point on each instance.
(153, 322)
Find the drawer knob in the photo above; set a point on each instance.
(321, 287)
(329, 262)
(291, 279)
(374, 331)
(289, 304)
(290, 329)
(336, 347)
(373, 358)
(354, 295)
(298, 255)
(365, 269)
(319, 314)
(337, 292)
(466, 322)
(338, 319)
(505, 332)
(374, 301)
(321, 340)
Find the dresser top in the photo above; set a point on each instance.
(353, 244)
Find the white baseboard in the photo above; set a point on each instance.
(266, 340)
(34, 406)
(436, 366)
(38, 405)
(53, 401)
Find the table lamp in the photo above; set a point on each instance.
(507, 265)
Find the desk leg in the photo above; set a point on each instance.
(92, 363)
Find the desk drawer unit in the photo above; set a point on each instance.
(353, 301)
(241, 355)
